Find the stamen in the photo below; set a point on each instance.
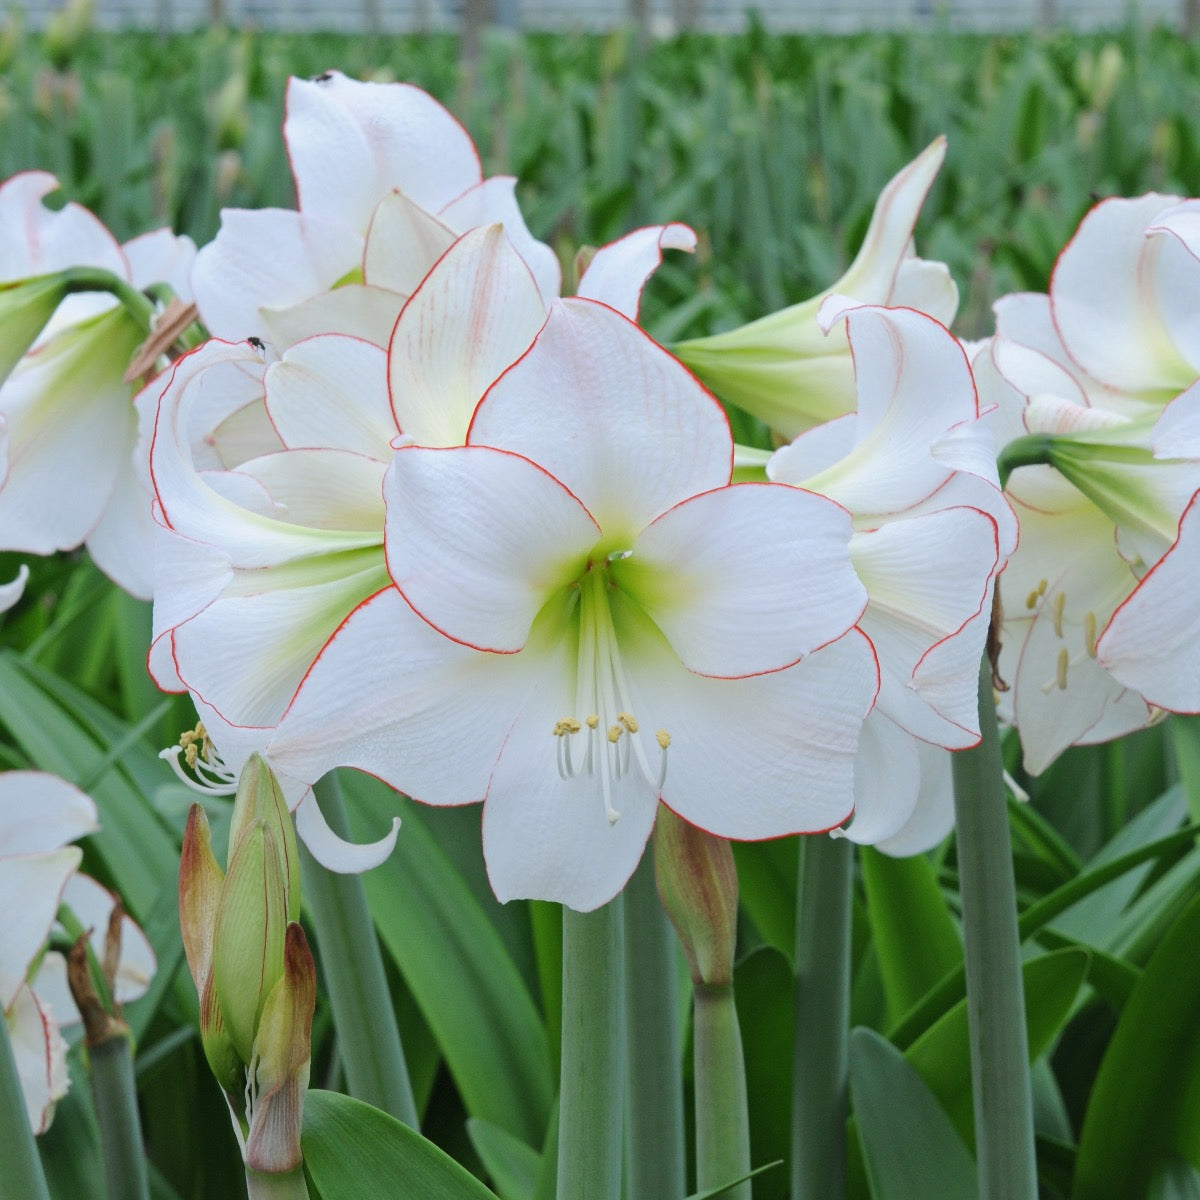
(1064, 661)
(1060, 603)
(209, 774)
(1089, 633)
(629, 721)
(1032, 599)
(1043, 584)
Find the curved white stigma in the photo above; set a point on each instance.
(602, 693)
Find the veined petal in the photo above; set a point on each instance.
(619, 271)
(40, 1054)
(764, 756)
(267, 257)
(391, 696)
(122, 543)
(478, 539)
(335, 853)
(1152, 643)
(495, 201)
(746, 579)
(612, 415)
(40, 811)
(926, 286)
(548, 838)
(476, 313)
(1116, 293)
(331, 392)
(36, 240)
(1177, 432)
(30, 888)
(403, 243)
(355, 309)
(324, 489)
(351, 143)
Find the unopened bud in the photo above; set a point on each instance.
(697, 882)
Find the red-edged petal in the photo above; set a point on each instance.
(619, 271)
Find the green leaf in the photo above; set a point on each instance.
(714, 1193)
(70, 1148)
(352, 1150)
(512, 1164)
(1177, 1180)
(942, 1056)
(910, 1146)
(456, 965)
(915, 937)
(1145, 1104)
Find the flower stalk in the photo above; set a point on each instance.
(820, 1079)
(368, 1037)
(995, 998)
(590, 1131)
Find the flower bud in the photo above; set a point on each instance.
(697, 882)
(259, 797)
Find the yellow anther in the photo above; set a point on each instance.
(1089, 633)
(1043, 584)
(593, 722)
(190, 754)
(1060, 603)
(565, 726)
(1032, 599)
(614, 734)
(1064, 660)
(629, 721)
(664, 739)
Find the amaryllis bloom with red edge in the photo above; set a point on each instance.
(915, 465)
(587, 617)
(1105, 368)
(386, 180)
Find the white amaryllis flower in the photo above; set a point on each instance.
(915, 466)
(67, 424)
(587, 618)
(386, 180)
(39, 815)
(785, 368)
(1101, 369)
(262, 558)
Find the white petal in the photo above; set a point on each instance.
(933, 817)
(331, 392)
(1152, 643)
(40, 1054)
(355, 309)
(1177, 432)
(30, 888)
(612, 415)
(39, 811)
(1116, 296)
(926, 286)
(479, 539)
(271, 258)
(813, 451)
(403, 243)
(351, 143)
(748, 578)
(764, 756)
(36, 240)
(619, 271)
(392, 697)
(122, 544)
(335, 853)
(495, 201)
(10, 593)
(887, 778)
(161, 257)
(476, 313)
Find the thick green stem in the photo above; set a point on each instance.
(654, 1088)
(995, 999)
(819, 1069)
(590, 1131)
(94, 279)
(1034, 449)
(352, 969)
(20, 1167)
(115, 1094)
(722, 1112)
(287, 1186)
